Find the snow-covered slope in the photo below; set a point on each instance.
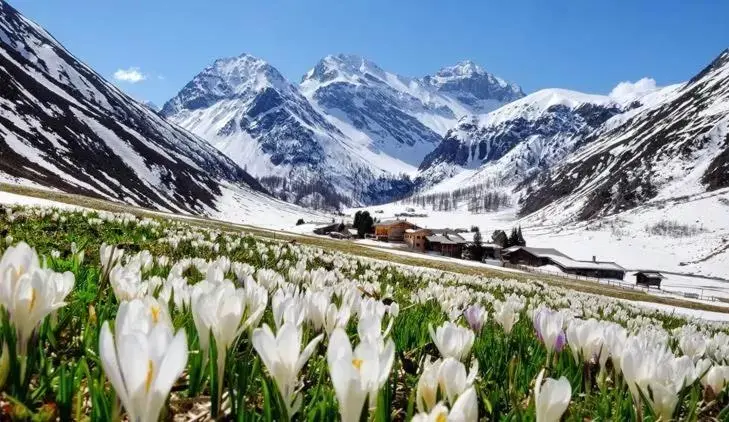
(399, 116)
(63, 126)
(518, 139)
(675, 146)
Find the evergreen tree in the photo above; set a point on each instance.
(477, 239)
(513, 238)
(364, 223)
(357, 219)
(500, 238)
(520, 238)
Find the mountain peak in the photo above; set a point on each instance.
(349, 67)
(227, 78)
(463, 68)
(238, 71)
(472, 84)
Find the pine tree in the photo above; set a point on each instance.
(357, 219)
(500, 238)
(364, 223)
(520, 238)
(513, 238)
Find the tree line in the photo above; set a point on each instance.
(479, 199)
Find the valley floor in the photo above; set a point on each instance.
(277, 220)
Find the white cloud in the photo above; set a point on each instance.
(132, 75)
(628, 91)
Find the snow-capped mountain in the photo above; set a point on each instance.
(395, 115)
(518, 139)
(674, 145)
(471, 85)
(246, 108)
(348, 134)
(64, 126)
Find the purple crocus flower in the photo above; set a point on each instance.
(548, 327)
(475, 316)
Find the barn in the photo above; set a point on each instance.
(649, 278)
(538, 257)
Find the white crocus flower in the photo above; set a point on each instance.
(716, 378)
(316, 309)
(37, 295)
(454, 379)
(282, 356)
(693, 345)
(464, 410)
(287, 309)
(220, 308)
(109, 255)
(452, 341)
(127, 284)
(142, 359)
(336, 317)
(30, 293)
(506, 314)
(427, 391)
(357, 373)
(551, 398)
(586, 339)
(16, 261)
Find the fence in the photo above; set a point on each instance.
(614, 283)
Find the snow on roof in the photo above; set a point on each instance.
(416, 230)
(650, 274)
(491, 245)
(536, 251)
(440, 239)
(565, 261)
(392, 222)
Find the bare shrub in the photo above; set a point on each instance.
(674, 229)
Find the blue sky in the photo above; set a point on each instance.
(583, 45)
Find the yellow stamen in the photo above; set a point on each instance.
(155, 314)
(33, 297)
(150, 374)
(357, 363)
(442, 417)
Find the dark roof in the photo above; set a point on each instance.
(392, 222)
(651, 274)
(536, 251)
(440, 239)
(332, 226)
(445, 231)
(564, 261)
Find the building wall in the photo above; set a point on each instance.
(451, 250)
(522, 257)
(642, 280)
(394, 232)
(597, 273)
(416, 240)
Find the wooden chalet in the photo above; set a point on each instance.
(648, 279)
(392, 230)
(447, 244)
(537, 257)
(416, 238)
